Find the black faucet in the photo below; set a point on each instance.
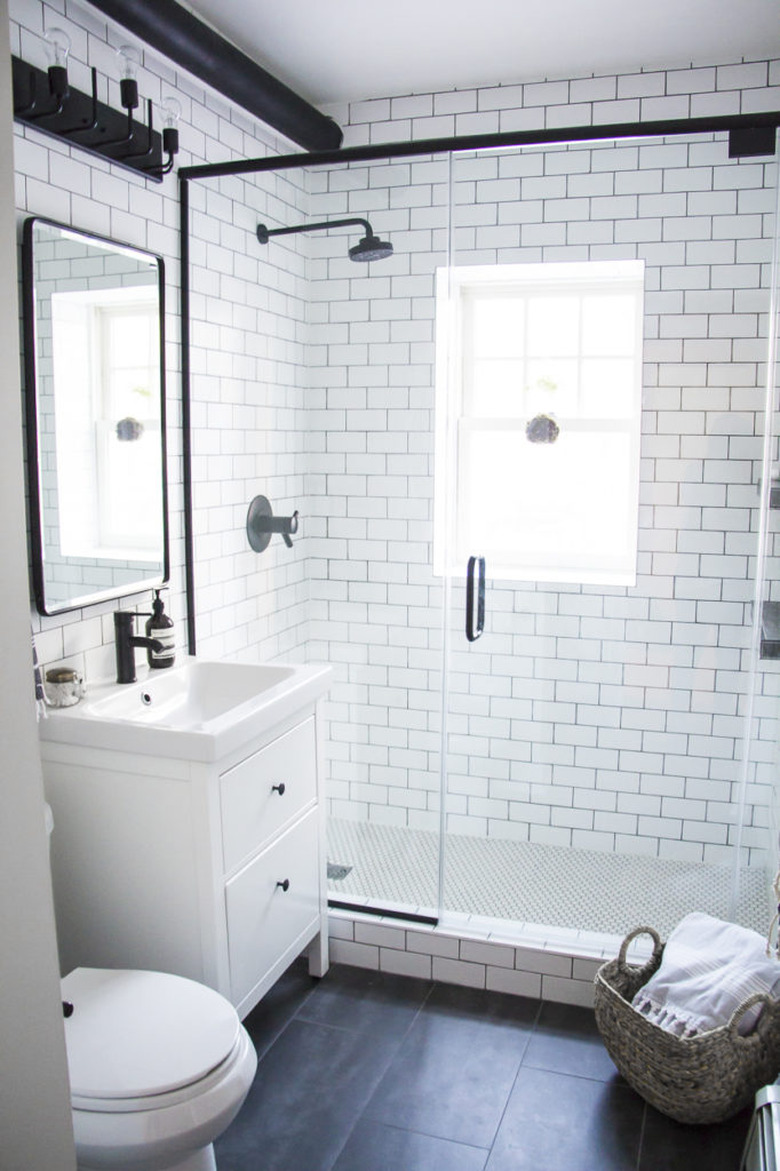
(125, 641)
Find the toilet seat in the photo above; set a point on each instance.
(144, 1040)
(167, 1130)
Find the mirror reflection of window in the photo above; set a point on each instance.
(106, 353)
(128, 428)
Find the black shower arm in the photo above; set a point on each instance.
(263, 232)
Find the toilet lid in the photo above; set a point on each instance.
(133, 1034)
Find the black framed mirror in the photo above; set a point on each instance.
(95, 379)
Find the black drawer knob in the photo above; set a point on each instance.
(284, 885)
(278, 789)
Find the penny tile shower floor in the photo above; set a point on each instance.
(532, 884)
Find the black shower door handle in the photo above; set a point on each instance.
(475, 592)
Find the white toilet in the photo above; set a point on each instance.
(159, 1067)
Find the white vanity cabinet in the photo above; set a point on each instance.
(209, 869)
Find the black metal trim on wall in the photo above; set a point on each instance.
(732, 123)
(186, 420)
(750, 135)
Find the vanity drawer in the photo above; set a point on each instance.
(252, 808)
(263, 919)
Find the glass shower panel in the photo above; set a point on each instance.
(376, 605)
(609, 735)
(758, 833)
(248, 405)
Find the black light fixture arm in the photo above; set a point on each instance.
(53, 112)
(124, 139)
(263, 233)
(93, 122)
(148, 152)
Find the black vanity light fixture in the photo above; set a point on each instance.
(369, 248)
(49, 103)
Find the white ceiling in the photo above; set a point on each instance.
(337, 50)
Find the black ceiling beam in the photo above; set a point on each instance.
(175, 33)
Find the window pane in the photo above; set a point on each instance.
(130, 337)
(134, 392)
(497, 326)
(552, 387)
(560, 502)
(497, 389)
(553, 326)
(504, 389)
(609, 325)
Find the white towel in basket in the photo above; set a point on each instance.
(708, 969)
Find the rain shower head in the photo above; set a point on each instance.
(369, 248)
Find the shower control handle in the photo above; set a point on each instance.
(284, 885)
(278, 789)
(261, 523)
(475, 598)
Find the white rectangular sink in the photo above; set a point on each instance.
(198, 710)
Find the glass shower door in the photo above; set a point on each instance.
(377, 604)
(602, 767)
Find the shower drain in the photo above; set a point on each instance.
(336, 872)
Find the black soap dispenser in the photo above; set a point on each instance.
(160, 627)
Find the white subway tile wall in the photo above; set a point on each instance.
(247, 344)
(606, 719)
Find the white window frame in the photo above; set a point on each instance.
(456, 421)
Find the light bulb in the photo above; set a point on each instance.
(57, 49)
(171, 113)
(129, 61)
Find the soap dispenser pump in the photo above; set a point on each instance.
(160, 627)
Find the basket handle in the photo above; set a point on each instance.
(655, 958)
(739, 1012)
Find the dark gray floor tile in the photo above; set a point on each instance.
(566, 1040)
(309, 1090)
(554, 1122)
(366, 1001)
(364, 1071)
(673, 1146)
(373, 1146)
(455, 1070)
(279, 1005)
(481, 1005)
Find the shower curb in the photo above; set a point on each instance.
(544, 963)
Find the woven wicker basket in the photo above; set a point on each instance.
(700, 1079)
